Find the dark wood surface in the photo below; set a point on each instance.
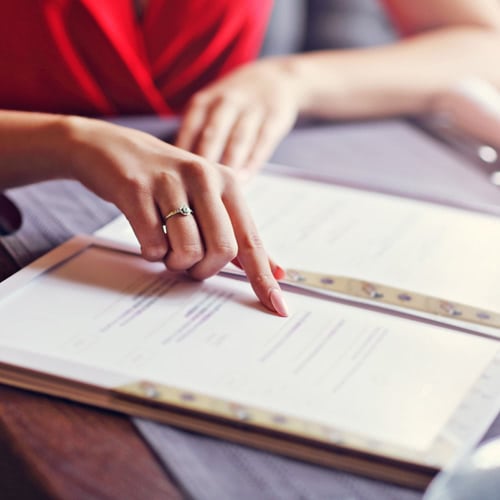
(54, 449)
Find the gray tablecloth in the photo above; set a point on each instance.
(387, 156)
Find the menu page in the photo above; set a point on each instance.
(359, 371)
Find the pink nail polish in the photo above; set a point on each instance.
(278, 302)
(279, 273)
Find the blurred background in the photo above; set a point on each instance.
(302, 25)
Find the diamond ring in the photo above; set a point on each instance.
(182, 210)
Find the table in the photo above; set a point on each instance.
(56, 449)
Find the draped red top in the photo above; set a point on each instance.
(94, 57)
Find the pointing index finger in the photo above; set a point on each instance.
(251, 253)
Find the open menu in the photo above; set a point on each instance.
(336, 383)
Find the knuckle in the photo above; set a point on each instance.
(191, 252)
(153, 253)
(184, 257)
(194, 168)
(135, 181)
(199, 99)
(166, 178)
(134, 187)
(251, 242)
(226, 250)
(263, 280)
(198, 172)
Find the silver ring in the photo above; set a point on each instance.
(183, 210)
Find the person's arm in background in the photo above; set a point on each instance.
(240, 119)
(444, 42)
(146, 179)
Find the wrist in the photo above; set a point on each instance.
(34, 147)
(53, 146)
(76, 146)
(293, 70)
(313, 88)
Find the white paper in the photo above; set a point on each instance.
(384, 378)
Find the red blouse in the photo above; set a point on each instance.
(93, 57)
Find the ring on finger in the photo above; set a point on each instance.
(183, 210)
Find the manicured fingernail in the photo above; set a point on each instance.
(279, 273)
(278, 302)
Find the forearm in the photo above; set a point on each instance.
(396, 79)
(33, 147)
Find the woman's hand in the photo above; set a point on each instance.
(240, 119)
(147, 178)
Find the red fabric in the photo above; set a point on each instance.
(93, 57)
